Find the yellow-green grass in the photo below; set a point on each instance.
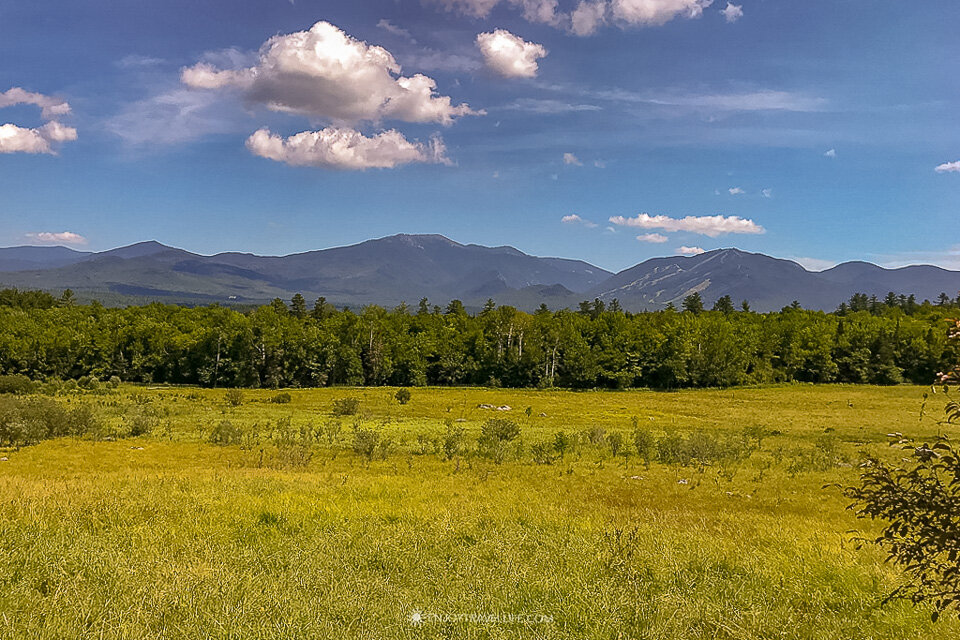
(168, 536)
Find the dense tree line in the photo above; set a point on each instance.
(597, 346)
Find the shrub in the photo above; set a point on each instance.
(615, 442)
(453, 442)
(281, 398)
(403, 396)
(17, 384)
(225, 433)
(346, 406)
(500, 430)
(113, 382)
(234, 397)
(645, 445)
(561, 443)
(365, 442)
(542, 453)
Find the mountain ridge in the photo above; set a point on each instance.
(408, 267)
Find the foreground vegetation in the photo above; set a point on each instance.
(599, 346)
(482, 513)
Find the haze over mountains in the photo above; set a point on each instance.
(406, 268)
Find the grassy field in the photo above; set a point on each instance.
(290, 533)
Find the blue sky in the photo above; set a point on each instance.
(822, 130)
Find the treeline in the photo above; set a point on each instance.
(289, 345)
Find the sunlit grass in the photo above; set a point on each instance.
(168, 536)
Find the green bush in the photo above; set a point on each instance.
(346, 406)
(365, 442)
(281, 398)
(17, 384)
(403, 396)
(225, 432)
(234, 397)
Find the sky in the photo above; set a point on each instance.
(611, 131)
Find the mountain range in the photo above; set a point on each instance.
(406, 268)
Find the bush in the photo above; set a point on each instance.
(234, 397)
(500, 430)
(113, 382)
(365, 442)
(645, 445)
(542, 453)
(453, 444)
(403, 396)
(615, 442)
(17, 384)
(561, 443)
(281, 398)
(25, 422)
(225, 433)
(346, 406)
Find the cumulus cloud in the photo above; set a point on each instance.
(948, 167)
(50, 108)
(736, 191)
(589, 16)
(575, 219)
(342, 148)
(58, 237)
(690, 251)
(732, 12)
(510, 55)
(655, 238)
(711, 226)
(830, 153)
(15, 139)
(325, 73)
(571, 159)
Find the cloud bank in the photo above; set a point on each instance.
(59, 237)
(948, 167)
(339, 148)
(711, 226)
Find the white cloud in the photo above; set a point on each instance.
(655, 238)
(761, 100)
(766, 193)
(338, 148)
(830, 153)
(509, 55)
(814, 264)
(600, 164)
(551, 107)
(571, 159)
(948, 167)
(736, 191)
(656, 12)
(690, 251)
(711, 226)
(14, 139)
(575, 219)
(588, 17)
(177, 116)
(60, 237)
(732, 12)
(325, 73)
(389, 27)
(50, 108)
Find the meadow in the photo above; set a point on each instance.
(621, 515)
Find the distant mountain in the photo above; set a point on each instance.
(388, 271)
(405, 268)
(767, 283)
(27, 258)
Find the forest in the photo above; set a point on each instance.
(282, 344)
